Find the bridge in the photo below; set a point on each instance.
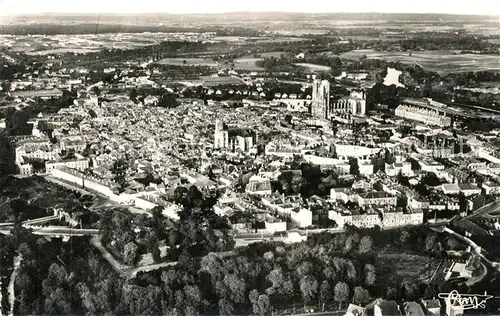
(54, 231)
(63, 231)
(42, 220)
(39, 220)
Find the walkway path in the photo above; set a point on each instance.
(478, 278)
(120, 268)
(150, 268)
(12, 294)
(126, 271)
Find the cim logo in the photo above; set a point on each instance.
(465, 301)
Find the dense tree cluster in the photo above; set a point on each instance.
(130, 236)
(305, 179)
(17, 120)
(7, 253)
(20, 199)
(328, 271)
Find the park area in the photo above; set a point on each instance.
(441, 61)
(394, 267)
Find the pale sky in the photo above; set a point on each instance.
(486, 7)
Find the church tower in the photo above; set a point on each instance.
(221, 136)
(320, 99)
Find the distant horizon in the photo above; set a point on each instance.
(197, 7)
(247, 12)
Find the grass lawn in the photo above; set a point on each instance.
(394, 267)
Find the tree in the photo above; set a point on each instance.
(119, 170)
(226, 307)
(353, 166)
(462, 202)
(253, 296)
(168, 100)
(430, 292)
(370, 275)
(181, 196)
(235, 288)
(404, 130)
(56, 278)
(96, 90)
(304, 269)
(276, 278)
(133, 94)
(392, 293)
(263, 305)
(430, 242)
(130, 253)
(410, 290)
(341, 293)
(325, 293)
(155, 251)
(195, 197)
(57, 302)
(361, 296)
(350, 271)
(365, 244)
(452, 243)
(329, 274)
(309, 288)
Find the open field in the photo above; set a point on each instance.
(243, 40)
(395, 267)
(268, 55)
(39, 44)
(442, 61)
(208, 62)
(217, 81)
(75, 50)
(246, 64)
(239, 64)
(313, 67)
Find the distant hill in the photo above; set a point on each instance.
(76, 23)
(149, 18)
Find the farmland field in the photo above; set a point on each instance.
(208, 62)
(442, 61)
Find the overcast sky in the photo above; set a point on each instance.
(487, 7)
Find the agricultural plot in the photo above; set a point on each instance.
(442, 61)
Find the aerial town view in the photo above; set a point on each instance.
(250, 162)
